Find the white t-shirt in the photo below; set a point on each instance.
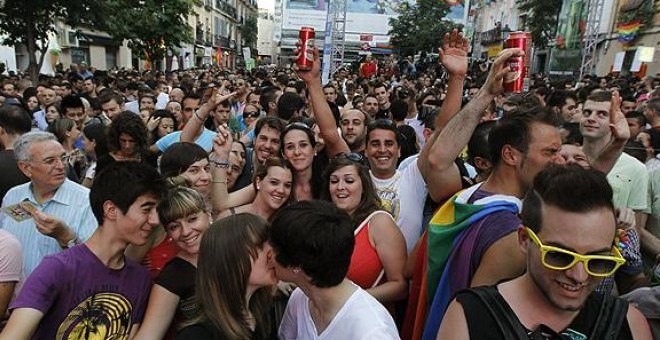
(361, 317)
(411, 193)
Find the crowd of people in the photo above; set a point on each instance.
(392, 202)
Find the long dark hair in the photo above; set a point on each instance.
(223, 272)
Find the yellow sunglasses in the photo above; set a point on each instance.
(562, 259)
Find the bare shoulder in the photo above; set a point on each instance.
(638, 325)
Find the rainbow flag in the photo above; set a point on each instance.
(452, 236)
(628, 31)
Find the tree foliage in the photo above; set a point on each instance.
(420, 27)
(148, 25)
(542, 19)
(151, 26)
(249, 32)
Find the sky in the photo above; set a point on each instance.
(268, 4)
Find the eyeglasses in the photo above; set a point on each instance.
(51, 161)
(561, 259)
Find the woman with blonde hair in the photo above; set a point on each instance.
(234, 261)
(184, 215)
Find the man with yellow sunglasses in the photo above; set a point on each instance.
(567, 239)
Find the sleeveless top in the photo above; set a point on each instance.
(365, 270)
(158, 256)
(482, 325)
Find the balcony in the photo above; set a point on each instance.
(492, 36)
(227, 8)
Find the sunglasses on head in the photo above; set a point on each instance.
(351, 156)
(562, 259)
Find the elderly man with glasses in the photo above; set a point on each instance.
(53, 212)
(568, 239)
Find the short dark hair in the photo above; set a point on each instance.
(15, 119)
(639, 116)
(179, 157)
(600, 96)
(570, 188)
(271, 121)
(107, 97)
(515, 129)
(558, 98)
(315, 236)
(268, 95)
(478, 144)
(71, 101)
(122, 183)
(288, 104)
(399, 110)
(383, 124)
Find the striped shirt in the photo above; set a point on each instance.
(69, 204)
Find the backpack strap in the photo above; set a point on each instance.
(506, 320)
(611, 316)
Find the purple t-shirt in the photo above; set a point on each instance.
(82, 298)
(495, 226)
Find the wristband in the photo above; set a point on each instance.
(198, 116)
(72, 242)
(219, 181)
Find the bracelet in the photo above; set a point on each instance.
(225, 181)
(220, 164)
(198, 116)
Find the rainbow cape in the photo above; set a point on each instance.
(452, 235)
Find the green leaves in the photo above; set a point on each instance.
(420, 27)
(542, 19)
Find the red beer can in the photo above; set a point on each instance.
(306, 58)
(517, 81)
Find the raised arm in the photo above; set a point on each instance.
(220, 197)
(334, 144)
(607, 157)
(453, 56)
(437, 163)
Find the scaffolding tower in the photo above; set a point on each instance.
(338, 32)
(594, 10)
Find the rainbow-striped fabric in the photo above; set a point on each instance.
(452, 236)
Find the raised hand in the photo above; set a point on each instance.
(152, 123)
(308, 75)
(618, 122)
(222, 143)
(453, 53)
(493, 85)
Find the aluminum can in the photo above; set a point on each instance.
(306, 58)
(518, 80)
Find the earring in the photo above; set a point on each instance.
(296, 270)
(257, 187)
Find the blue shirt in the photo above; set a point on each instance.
(205, 140)
(69, 204)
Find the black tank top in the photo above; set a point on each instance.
(483, 326)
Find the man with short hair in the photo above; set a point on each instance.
(267, 144)
(176, 95)
(563, 104)
(74, 109)
(383, 97)
(290, 105)
(46, 97)
(61, 216)
(92, 288)
(383, 149)
(370, 105)
(628, 177)
(628, 104)
(567, 239)
(112, 105)
(268, 100)
(354, 129)
(14, 122)
(330, 93)
(190, 104)
(89, 87)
